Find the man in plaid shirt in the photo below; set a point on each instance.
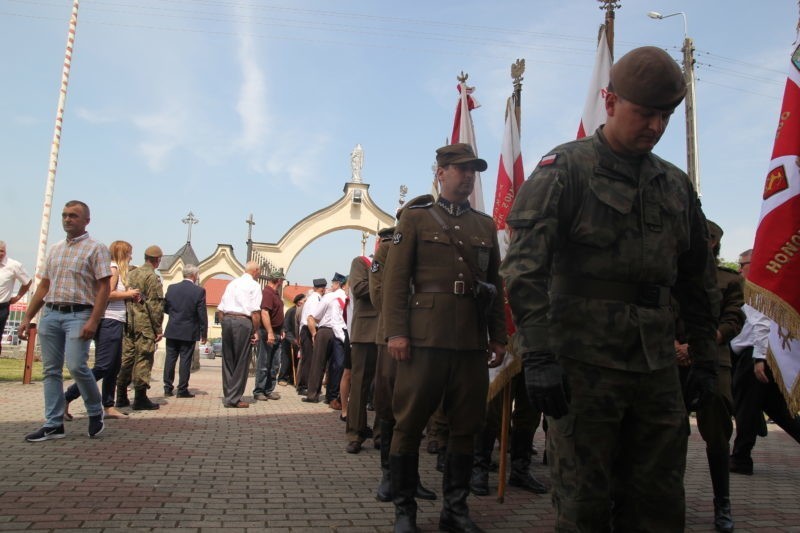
(74, 290)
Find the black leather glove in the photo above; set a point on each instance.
(546, 384)
(701, 384)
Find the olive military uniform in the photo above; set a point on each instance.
(364, 352)
(598, 243)
(145, 320)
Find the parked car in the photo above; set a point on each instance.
(10, 337)
(205, 351)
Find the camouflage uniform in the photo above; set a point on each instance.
(144, 325)
(598, 242)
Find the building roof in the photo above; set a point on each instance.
(290, 291)
(186, 252)
(214, 289)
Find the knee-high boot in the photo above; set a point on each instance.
(404, 473)
(455, 485)
(479, 480)
(521, 463)
(384, 492)
(720, 481)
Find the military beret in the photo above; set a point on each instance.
(454, 154)
(320, 282)
(338, 277)
(276, 274)
(153, 251)
(649, 77)
(714, 231)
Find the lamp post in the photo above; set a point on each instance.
(692, 164)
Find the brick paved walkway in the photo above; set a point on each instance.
(281, 466)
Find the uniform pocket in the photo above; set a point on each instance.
(601, 218)
(421, 314)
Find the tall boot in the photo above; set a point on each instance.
(720, 481)
(122, 397)
(403, 470)
(141, 402)
(479, 479)
(521, 463)
(441, 454)
(455, 485)
(384, 492)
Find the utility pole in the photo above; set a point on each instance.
(692, 156)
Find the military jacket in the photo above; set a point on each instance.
(731, 315)
(147, 317)
(376, 286)
(428, 285)
(364, 324)
(587, 214)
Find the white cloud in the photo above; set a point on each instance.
(252, 103)
(163, 132)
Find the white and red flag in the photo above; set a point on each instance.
(510, 177)
(594, 110)
(773, 286)
(464, 132)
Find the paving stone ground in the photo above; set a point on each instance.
(281, 466)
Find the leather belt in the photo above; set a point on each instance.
(456, 287)
(68, 308)
(5, 304)
(238, 315)
(643, 294)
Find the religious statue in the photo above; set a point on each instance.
(357, 163)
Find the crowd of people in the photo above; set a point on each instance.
(625, 323)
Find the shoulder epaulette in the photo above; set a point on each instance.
(426, 200)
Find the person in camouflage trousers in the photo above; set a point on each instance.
(142, 333)
(603, 232)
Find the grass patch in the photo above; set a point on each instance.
(12, 370)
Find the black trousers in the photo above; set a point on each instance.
(307, 355)
(176, 350)
(751, 397)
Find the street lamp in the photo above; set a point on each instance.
(692, 164)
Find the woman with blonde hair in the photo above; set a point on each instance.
(108, 339)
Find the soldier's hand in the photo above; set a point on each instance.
(546, 384)
(497, 352)
(701, 383)
(399, 348)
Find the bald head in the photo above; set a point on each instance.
(252, 268)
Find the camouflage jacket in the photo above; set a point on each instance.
(146, 317)
(442, 311)
(587, 214)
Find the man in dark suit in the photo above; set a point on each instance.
(188, 323)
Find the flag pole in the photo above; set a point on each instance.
(609, 6)
(51, 181)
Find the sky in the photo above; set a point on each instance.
(231, 107)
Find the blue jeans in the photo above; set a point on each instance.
(107, 360)
(267, 363)
(335, 369)
(59, 336)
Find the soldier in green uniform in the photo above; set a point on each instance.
(603, 232)
(143, 331)
(714, 419)
(442, 326)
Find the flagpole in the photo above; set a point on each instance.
(609, 6)
(51, 181)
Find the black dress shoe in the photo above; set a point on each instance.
(186, 394)
(168, 393)
(302, 391)
(353, 447)
(309, 399)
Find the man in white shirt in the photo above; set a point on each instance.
(240, 307)
(754, 387)
(329, 343)
(11, 271)
(307, 334)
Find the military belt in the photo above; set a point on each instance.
(643, 294)
(455, 287)
(68, 308)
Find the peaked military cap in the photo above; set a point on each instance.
(386, 233)
(649, 77)
(153, 251)
(455, 154)
(320, 282)
(338, 277)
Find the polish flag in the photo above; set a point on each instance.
(594, 111)
(464, 132)
(773, 286)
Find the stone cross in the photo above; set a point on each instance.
(190, 220)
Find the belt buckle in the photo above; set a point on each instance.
(459, 287)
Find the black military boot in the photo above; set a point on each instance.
(479, 479)
(521, 463)
(384, 492)
(403, 471)
(720, 481)
(441, 454)
(141, 402)
(122, 397)
(455, 485)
